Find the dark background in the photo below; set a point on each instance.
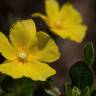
(10, 10)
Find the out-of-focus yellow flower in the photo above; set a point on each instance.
(65, 22)
(27, 52)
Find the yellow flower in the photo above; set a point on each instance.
(27, 52)
(65, 22)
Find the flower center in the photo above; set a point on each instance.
(22, 56)
(58, 24)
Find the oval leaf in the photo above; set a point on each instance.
(89, 53)
(81, 75)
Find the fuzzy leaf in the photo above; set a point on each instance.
(67, 89)
(81, 75)
(19, 87)
(86, 92)
(89, 53)
(76, 91)
(93, 93)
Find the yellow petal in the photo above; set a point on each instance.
(6, 48)
(78, 32)
(37, 71)
(69, 13)
(12, 68)
(48, 50)
(23, 34)
(72, 32)
(52, 9)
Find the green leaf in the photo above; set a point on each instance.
(45, 88)
(40, 92)
(1, 92)
(93, 93)
(48, 84)
(8, 84)
(67, 89)
(76, 91)
(86, 92)
(89, 53)
(18, 87)
(2, 76)
(81, 75)
(8, 94)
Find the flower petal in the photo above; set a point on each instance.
(69, 13)
(37, 71)
(48, 50)
(6, 48)
(23, 34)
(12, 68)
(72, 32)
(52, 9)
(78, 32)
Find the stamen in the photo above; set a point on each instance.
(58, 23)
(22, 55)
